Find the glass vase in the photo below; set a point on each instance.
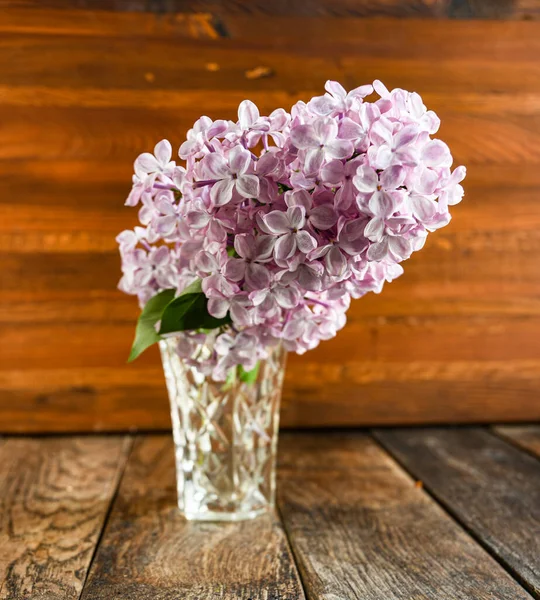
(225, 435)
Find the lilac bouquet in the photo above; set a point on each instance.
(277, 221)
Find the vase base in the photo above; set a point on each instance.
(227, 517)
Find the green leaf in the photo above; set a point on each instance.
(189, 311)
(249, 376)
(193, 288)
(231, 379)
(145, 334)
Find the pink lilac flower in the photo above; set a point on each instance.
(253, 253)
(284, 218)
(321, 142)
(287, 226)
(230, 173)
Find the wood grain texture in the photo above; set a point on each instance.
(55, 494)
(149, 551)
(525, 436)
(453, 340)
(490, 486)
(316, 395)
(41, 19)
(468, 9)
(360, 528)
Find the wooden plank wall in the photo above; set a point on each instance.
(85, 87)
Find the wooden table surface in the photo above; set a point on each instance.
(425, 513)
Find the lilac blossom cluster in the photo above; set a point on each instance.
(284, 218)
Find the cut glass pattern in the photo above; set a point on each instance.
(225, 436)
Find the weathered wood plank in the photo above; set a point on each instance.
(374, 339)
(149, 551)
(437, 9)
(467, 265)
(315, 395)
(467, 103)
(313, 36)
(120, 134)
(526, 436)
(52, 220)
(61, 182)
(55, 494)
(80, 22)
(360, 528)
(488, 485)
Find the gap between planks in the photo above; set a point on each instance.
(129, 442)
(55, 495)
(475, 475)
(523, 437)
(360, 528)
(149, 551)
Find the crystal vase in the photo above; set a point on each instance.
(225, 436)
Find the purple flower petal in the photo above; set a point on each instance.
(333, 172)
(240, 314)
(374, 229)
(298, 198)
(335, 262)
(218, 307)
(165, 225)
(235, 269)
(382, 204)
(305, 242)
(303, 137)
(285, 247)
(296, 216)
(322, 105)
(276, 222)
(257, 276)
(221, 192)
(287, 297)
(294, 329)
(205, 262)
(216, 232)
(350, 130)
(427, 182)
(197, 219)
(163, 152)
(336, 89)
(339, 149)
(366, 179)
(378, 251)
(407, 135)
(436, 153)
(239, 160)
(400, 247)
(248, 186)
(146, 163)
(314, 160)
(323, 217)
(248, 113)
(267, 163)
(326, 130)
(264, 246)
(215, 166)
(244, 245)
(393, 177)
(423, 208)
(309, 279)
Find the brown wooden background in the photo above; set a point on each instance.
(86, 86)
